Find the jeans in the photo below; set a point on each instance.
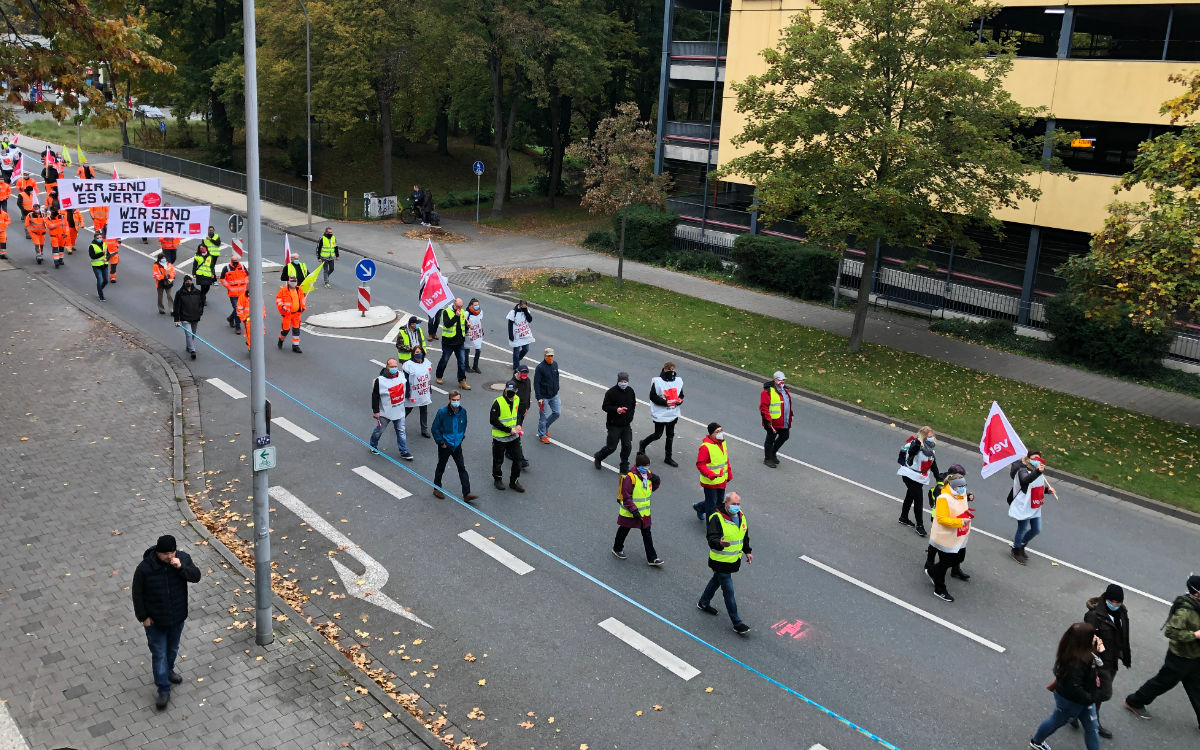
(775, 439)
(1175, 669)
(1064, 711)
(519, 353)
(460, 356)
(548, 413)
(164, 646)
(725, 581)
(714, 497)
(647, 541)
(475, 365)
(101, 279)
(1026, 531)
(327, 269)
(622, 434)
(444, 454)
(381, 425)
(189, 333)
(912, 498)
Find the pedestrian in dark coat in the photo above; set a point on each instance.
(160, 604)
(1076, 668)
(189, 306)
(1107, 614)
(618, 405)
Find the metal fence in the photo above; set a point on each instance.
(328, 206)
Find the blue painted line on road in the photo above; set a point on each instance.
(575, 569)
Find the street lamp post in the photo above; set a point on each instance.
(308, 107)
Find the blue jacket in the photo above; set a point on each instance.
(449, 428)
(545, 380)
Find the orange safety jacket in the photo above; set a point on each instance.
(235, 280)
(5, 190)
(25, 182)
(113, 246)
(99, 216)
(4, 222)
(36, 224)
(27, 200)
(163, 272)
(169, 243)
(83, 171)
(289, 301)
(58, 230)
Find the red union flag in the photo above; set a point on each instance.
(435, 293)
(1000, 444)
(429, 263)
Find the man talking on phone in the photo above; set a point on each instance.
(160, 604)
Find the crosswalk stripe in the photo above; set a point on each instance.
(228, 389)
(496, 552)
(295, 429)
(382, 482)
(639, 642)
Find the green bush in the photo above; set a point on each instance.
(998, 333)
(649, 233)
(691, 260)
(1114, 345)
(794, 268)
(600, 241)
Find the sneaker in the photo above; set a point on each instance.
(374, 450)
(670, 462)
(279, 344)
(699, 512)
(1038, 745)
(296, 349)
(741, 628)
(545, 439)
(328, 285)
(406, 456)
(1018, 555)
(620, 555)
(596, 462)
(655, 563)
(175, 678)
(161, 702)
(920, 531)
(1138, 711)
(499, 484)
(944, 596)
(515, 486)
(524, 463)
(193, 354)
(964, 577)
(706, 608)
(771, 464)
(905, 522)
(439, 494)
(425, 433)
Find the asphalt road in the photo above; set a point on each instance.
(844, 620)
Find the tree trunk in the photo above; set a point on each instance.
(385, 139)
(222, 125)
(863, 305)
(560, 130)
(442, 127)
(621, 249)
(502, 130)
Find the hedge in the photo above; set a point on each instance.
(794, 268)
(1116, 346)
(649, 233)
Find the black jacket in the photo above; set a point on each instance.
(454, 327)
(523, 387)
(160, 590)
(714, 532)
(494, 418)
(1079, 683)
(615, 398)
(189, 305)
(1113, 631)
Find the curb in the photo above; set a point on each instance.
(1181, 514)
(160, 355)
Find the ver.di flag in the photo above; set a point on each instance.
(434, 294)
(429, 263)
(1000, 444)
(287, 250)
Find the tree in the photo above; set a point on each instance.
(1144, 263)
(620, 170)
(884, 122)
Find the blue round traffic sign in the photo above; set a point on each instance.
(365, 270)
(477, 167)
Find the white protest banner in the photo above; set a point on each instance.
(87, 193)
(435, 293)
(184, 222)
(1000, 445)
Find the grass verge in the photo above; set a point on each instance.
(1146, 455)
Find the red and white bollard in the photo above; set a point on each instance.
(238, 251)
(364, 299)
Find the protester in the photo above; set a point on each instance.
(728, 539)
(474, 333)
(169, 247)
(917, 461)
(291, 301)
(99, 260)
(113, 246)
(454, 334)
(56, 228)
(189, 306)
(160, 604)
(427, 208)
(618, 406)
(633, 508)
(416, 382)
(951, 526)
(236, 280)
(1025, 501)
(775, 409)
(164, 279)
(327, 251)
(1107, 614)
(1182, 663)
(506, 438)
(545, 390)
(35, 230)
(4, 222)
(712, 461)
(1076, 675)
(520, 334)
(387, 405)
(666, 394)
(204, 266)
(525, 398)
(449, 429)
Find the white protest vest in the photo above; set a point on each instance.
(418, 382)
(391, 396)
(475, 330)
(919, 470)
(667, 391)
(522, 333)
(1027, 504)
(6, 161)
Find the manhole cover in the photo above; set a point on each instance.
(497, 386)
(474, 268)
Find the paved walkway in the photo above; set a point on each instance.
(85, 480)
(488, 250)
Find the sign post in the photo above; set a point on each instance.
(364, 271)
(477, 168)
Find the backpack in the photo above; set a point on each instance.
(902, 456)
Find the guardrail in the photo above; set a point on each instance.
(328, 206)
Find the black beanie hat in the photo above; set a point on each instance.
(166, 543)
(1114, 593)
(1193, 584)
(712, 426)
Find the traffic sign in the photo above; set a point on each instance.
(365, 270)
(264, 458)
(162, 126)
(236, 223)
(477, 167)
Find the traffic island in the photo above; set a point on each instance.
(377, 315)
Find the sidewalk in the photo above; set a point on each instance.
(87, 456)
(488, 252)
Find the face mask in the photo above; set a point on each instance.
(510, 394)
(524, 376)
(719, 435)
(162, 261)
(668, 375)
(643, 470)
(455, 404)
(291, 285)
(735, 509)
(622, 385)
(960, 489)
(475, 308)
(1036, 464)
(1112, 607)
(419, 357)
(929, 443)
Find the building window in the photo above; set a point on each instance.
(1120, 32)
(1185, 33)
(1035, 31)
(691, 101)
(1106, 147)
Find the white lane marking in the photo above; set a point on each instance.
(295, 429)
(367, 586)
(581, 454)
(496, 552)
(401, 319)
(818, 747)
(639, 642)
(382, 482)
(434, 387)
(228, 389)
(901, 603)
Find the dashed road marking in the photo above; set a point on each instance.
(496, 552)
(228, 389)
(295, 429)
(639, 642)
(382, 482)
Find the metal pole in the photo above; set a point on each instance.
(477, 199)
(258, 375)
(308, 109)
